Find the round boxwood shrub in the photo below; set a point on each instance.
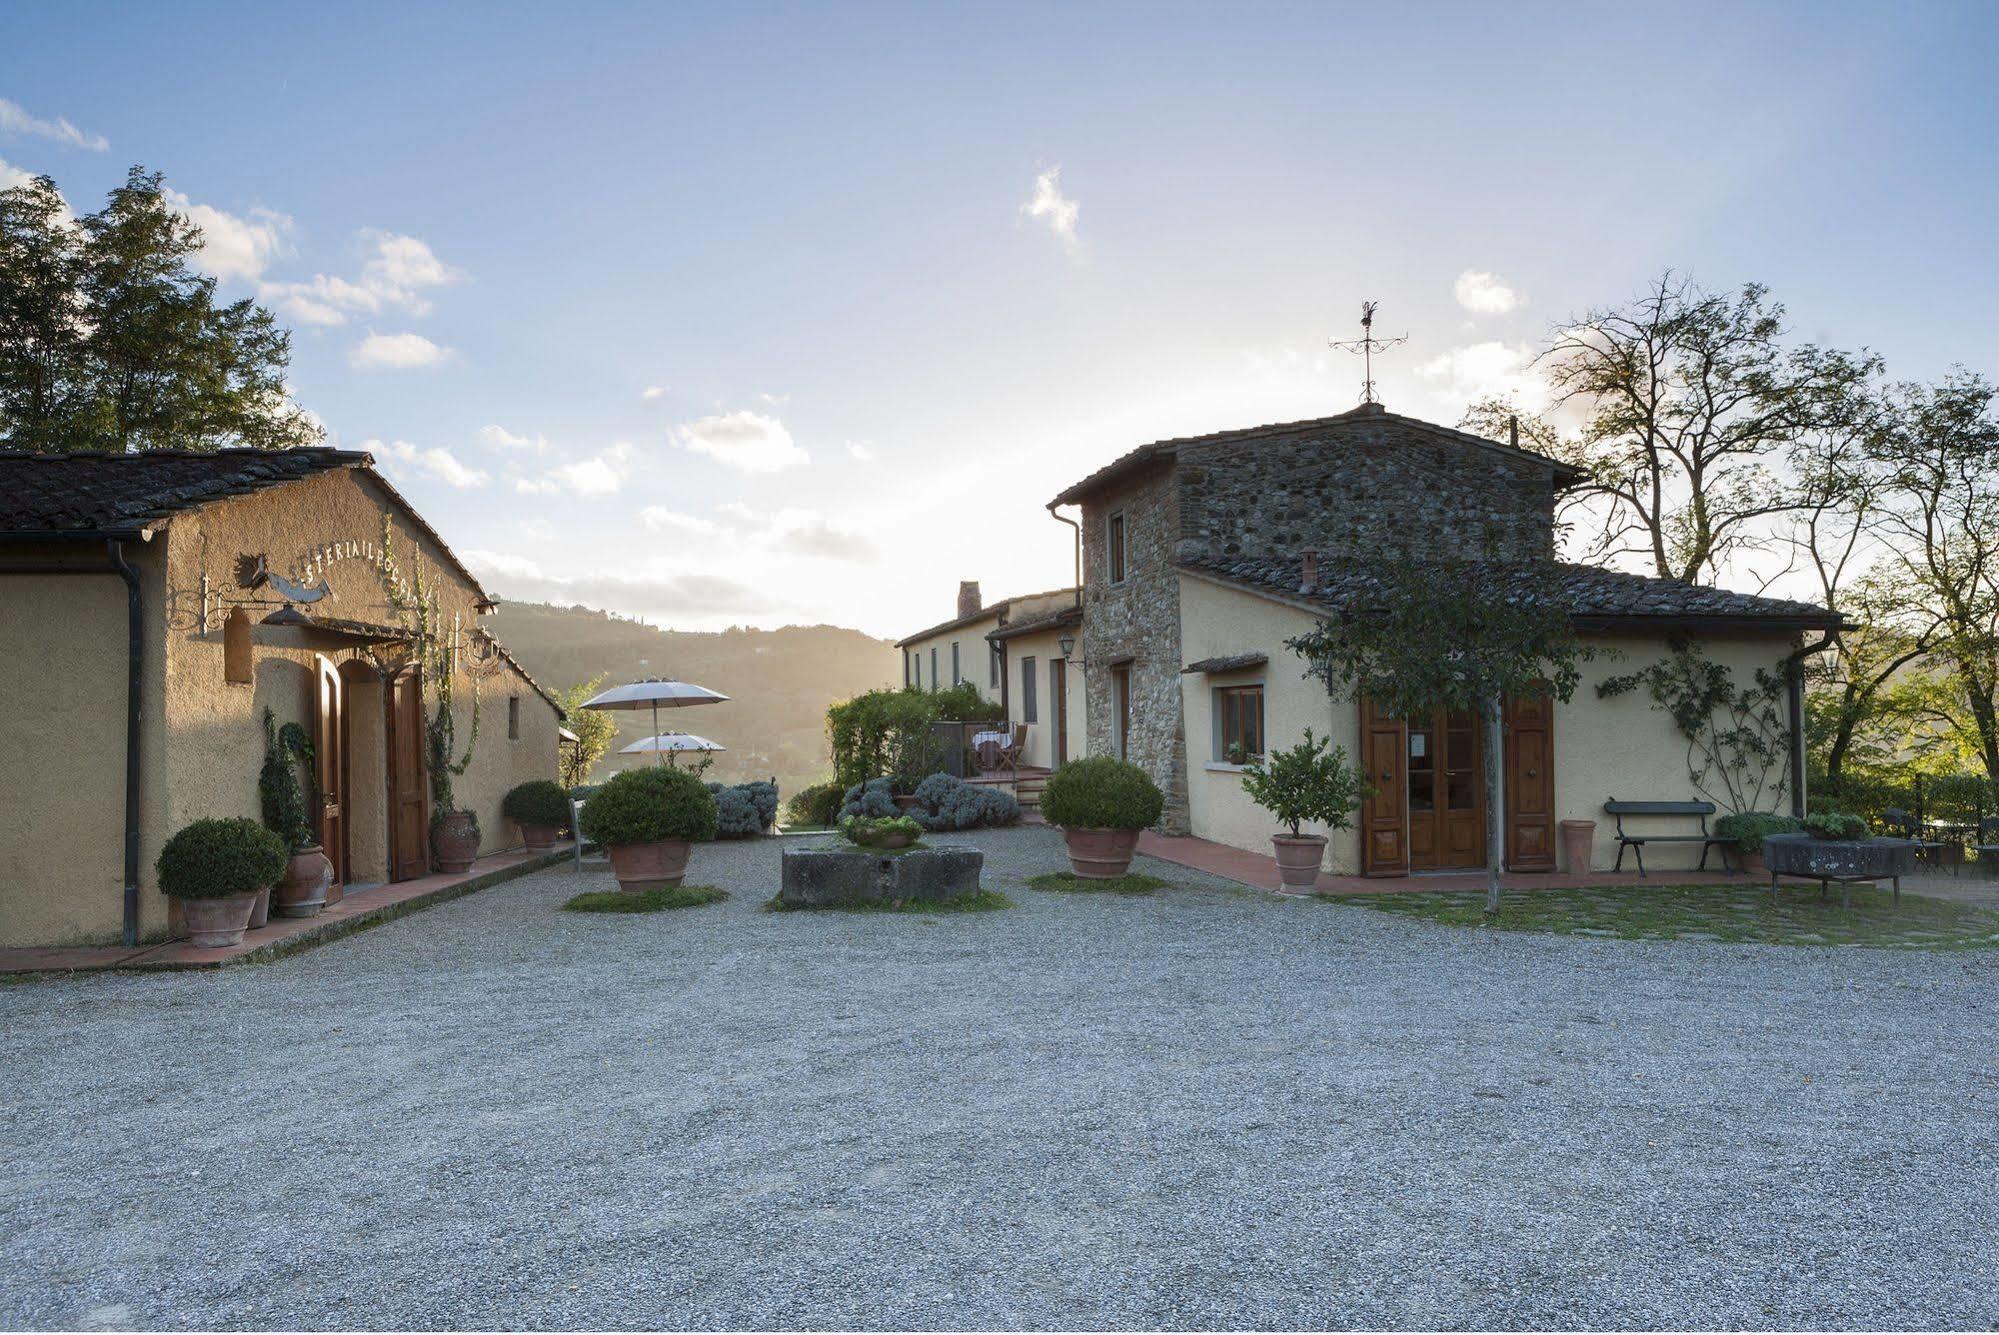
(645, 806)
(1099, 793)
(538, 802)
(213, 859)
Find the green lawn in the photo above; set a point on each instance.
(656, 900)
(1735, 913)
(1131, 883)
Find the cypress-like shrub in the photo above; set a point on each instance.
(1100, 793)
(538, 802)
(216, 858)
(645, 806)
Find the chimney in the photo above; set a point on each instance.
(969, 601)
(1310, 582)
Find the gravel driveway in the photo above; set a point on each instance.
(1203, 1107)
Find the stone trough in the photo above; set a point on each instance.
(1841, 860)
(844, 876)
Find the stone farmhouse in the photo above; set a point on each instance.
(1201, 556)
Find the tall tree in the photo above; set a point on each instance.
(1685, 397)
(110, 340)
(1453, 633)
(595, 731)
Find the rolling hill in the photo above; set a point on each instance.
(779, 681)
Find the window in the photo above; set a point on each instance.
(1121, 714)
(1027, 705)
(908, 666)
(514, 718)
(933, 668)
(1116, 544)
(1239, 724)
(956, 675)
(996, 667)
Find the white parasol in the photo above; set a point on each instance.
(655, 695)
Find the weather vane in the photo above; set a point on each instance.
(1367, 345)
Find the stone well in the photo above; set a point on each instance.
(833, 877)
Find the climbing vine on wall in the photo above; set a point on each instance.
(1738, 741)
(415, 601)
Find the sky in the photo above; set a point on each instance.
(759, 314)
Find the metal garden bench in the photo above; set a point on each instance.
(1637, 842)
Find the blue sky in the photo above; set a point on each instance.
(744, 314)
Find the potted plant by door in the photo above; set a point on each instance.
(646, 819)
(1746, 831)
(308, 875)
(1101, 804)
(216, 868)
(1311, 781)
(454, 839)
(541, 809)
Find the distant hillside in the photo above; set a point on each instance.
(779, 681)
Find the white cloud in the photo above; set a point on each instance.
(233, 247)
(743, 440)
(662, 520)
(398, 352)
(394, 276)
(504, 564)
(1051, 206)
(1488, 370)
(507, 440)
(809, 533)
(14, 119)
(1485, 293)
(674, 595)
(399, 458)
(12, 176)
(775, 400)
(651, 392)
(600, 476)
(861, 450)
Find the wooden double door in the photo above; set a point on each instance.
(403, 779)
(1429, 805)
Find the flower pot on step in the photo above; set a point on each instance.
(218, 922)
(1298, 860)
(653, 866)
(1578, 845)
(454, 841)
(540, 838)
(1100, 855)
(302, 893)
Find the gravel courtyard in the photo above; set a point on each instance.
(1203, 1107)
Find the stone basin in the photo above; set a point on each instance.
(842, 875)
(1839, 859)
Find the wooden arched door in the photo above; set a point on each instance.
(329, 753)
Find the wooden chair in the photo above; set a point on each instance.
(1015, 744)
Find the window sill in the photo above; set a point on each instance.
(1223, 767)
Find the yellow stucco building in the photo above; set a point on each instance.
(155, 605)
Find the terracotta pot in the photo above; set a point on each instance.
(540, 838)
(1100, 855)
(302, 894)
(218, 922)
(1749, 861)
(643, 867)
(1578, 843)
(454, 841)
(260, 908)
(1298, 860)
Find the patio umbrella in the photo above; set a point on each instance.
(671, 743)
(656, 695)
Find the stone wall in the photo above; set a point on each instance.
(1138, 618)
(1361, 486)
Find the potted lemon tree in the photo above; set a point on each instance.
(541, 808)
(1101, 804)
(1311, 781)
(646, 820)
(216, 869)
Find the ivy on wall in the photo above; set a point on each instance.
(1737, 737)
(415, 601)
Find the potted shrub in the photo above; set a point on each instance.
(1101, 805)
(645, 819)
(308, 877)
(881, 831)
(454, 839)
(1745, 832)
(215, 869)
(1311, 781)
(541, 808)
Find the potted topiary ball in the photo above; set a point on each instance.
(541, 808)
(1309, 782)
(216, 868)
(645, 819)
(1101, 804)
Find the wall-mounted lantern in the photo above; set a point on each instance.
(1068, 645)
(236, 659)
